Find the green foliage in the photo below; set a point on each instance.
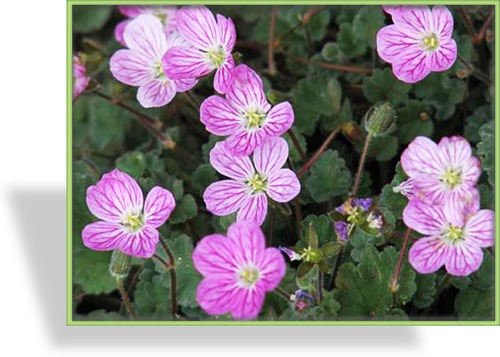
(349, 43)
(426, 290)
(185, 210)
(90, 18)
(414, 120)
(133, 163)
(367, 22)
(486, 150)
(474, 304)
(383, 86)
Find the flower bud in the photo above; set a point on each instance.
(119, 267)
(380, 120)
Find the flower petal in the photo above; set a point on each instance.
(411, 66)
(393, 42)
(480, 228)
(471, 171)
(279, 119)
(249, 242)
(133, 11)
(244, 142)
(442, 58)
(428, 254)
(423, 218)
(130, 67)
(119, 30)
(224, 197)
(227, 33)
(141, 244)
(184, 84)
(249, 303)
(113, 196)
(218, 116)
(429, 189)
(235, 167)
(253, 209)
(421, 157)
(272, 269)
(283, 185)
(145, 35)
(415, 19)
(102, 236)
(247, 90)
(443, 21)
(158, 206)
(156, 93)
(464, 259)
(197, 25)
(183, 62)
(217, 296)
(393, 9)
(271, 155)
(214, 255)
(455, 150)
(224, 75)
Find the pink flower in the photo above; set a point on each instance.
(128, 223)
(418, 43)
(454, 236)
(212, 41)
(245, 115)
(441, 172)
(249, 186)
(80, 80)
(393, 9)
(166, 14)
(142, 65)
(238, 270)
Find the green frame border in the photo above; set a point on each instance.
(69, 169)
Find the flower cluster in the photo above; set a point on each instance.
(444, 206)
(358, 212)
(419, 42)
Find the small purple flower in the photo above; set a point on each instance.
(245, 115)
(290, 253)
(453, 234)
(238, 270)
(80, 80)
(363, 203)
(212, 42)
(418, 43)
(128, 222)
(440, 172)
(249, 186)
(342, 230)
(143, 64)
(354, 206)
(166, 15)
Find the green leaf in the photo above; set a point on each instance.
(383, 86)
(100, 315)
(384, 148)
(367, 22)
(474, 122)
(329, 177)
(185, 210)
(474, 304)
(349, 43)
(426, 290)
(294, 154)
(87, 19)
(303, 269)
(392, 203)
(91, 271)
(152, 299)
(328, 308)
(322, 226)
(133, 163)
(307, 274)
(202, 177)
(486, 150)
(484, 278)
(414, 120)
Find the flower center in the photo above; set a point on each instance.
(216, 56)
(452, 178)
(431, 42)
(453, 234)
(158, 70)
(248, 276)
(257, 183)
(254, 119)
(134, 222)
(354, 215)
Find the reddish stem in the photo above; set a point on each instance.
(317, 154)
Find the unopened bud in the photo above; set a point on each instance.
(380, 120)
(119, 267)
(169, 144)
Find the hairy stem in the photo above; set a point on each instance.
(125, 298)
(393, 286)
(474, 71)
(362, 161)
(296, 144)
(173, 279)
(317, 154)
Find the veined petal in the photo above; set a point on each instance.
(480, 228)
(283, 185)
(272, 268)
(158, 206)
(424, 218)
(102, 236)
(133, 10)
(249, 303)
(175, 39)
(279, 119)
(218, 116)
(130, 67)
(471, 171)
(421, 157)
(244, 142)
(184, 84)
(183, 62)
(133, 190)
(119, 30)
(393, 9)
(156, 93)
(271, 155)
(393, 42)
(227, 33)
(442, 21)
(224, 75)
(443, 57)
(141, 244)
(197, 25)
(253, 209)
(455, 150)
(411, 66)
(236, 167)
(415, 19)
(145, 34)
(249, 242)
(429, 189)
(247, 90)
(214, 255)
(428, 254)
(225, 197)
(464, 259)
(217, 295)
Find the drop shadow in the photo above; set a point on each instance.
(44, 241)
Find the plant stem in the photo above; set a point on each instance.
(319, 287)
(270, 53)
(318, 153)
(474, 71)
(282, 293)
(336, 67)
(393, 286)
(362, 161)
(125, 298)
(173, 279)
(482, 33)
(338, 261)
(296, 144)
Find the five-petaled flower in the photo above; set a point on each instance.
(454, 236)
(419, 42)
(238, 270)
(143, 64)
(212, 42)
(441, 172)
(249, 186)
(80, 80)
(245, 115)
(166, 14)
(128, 222)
